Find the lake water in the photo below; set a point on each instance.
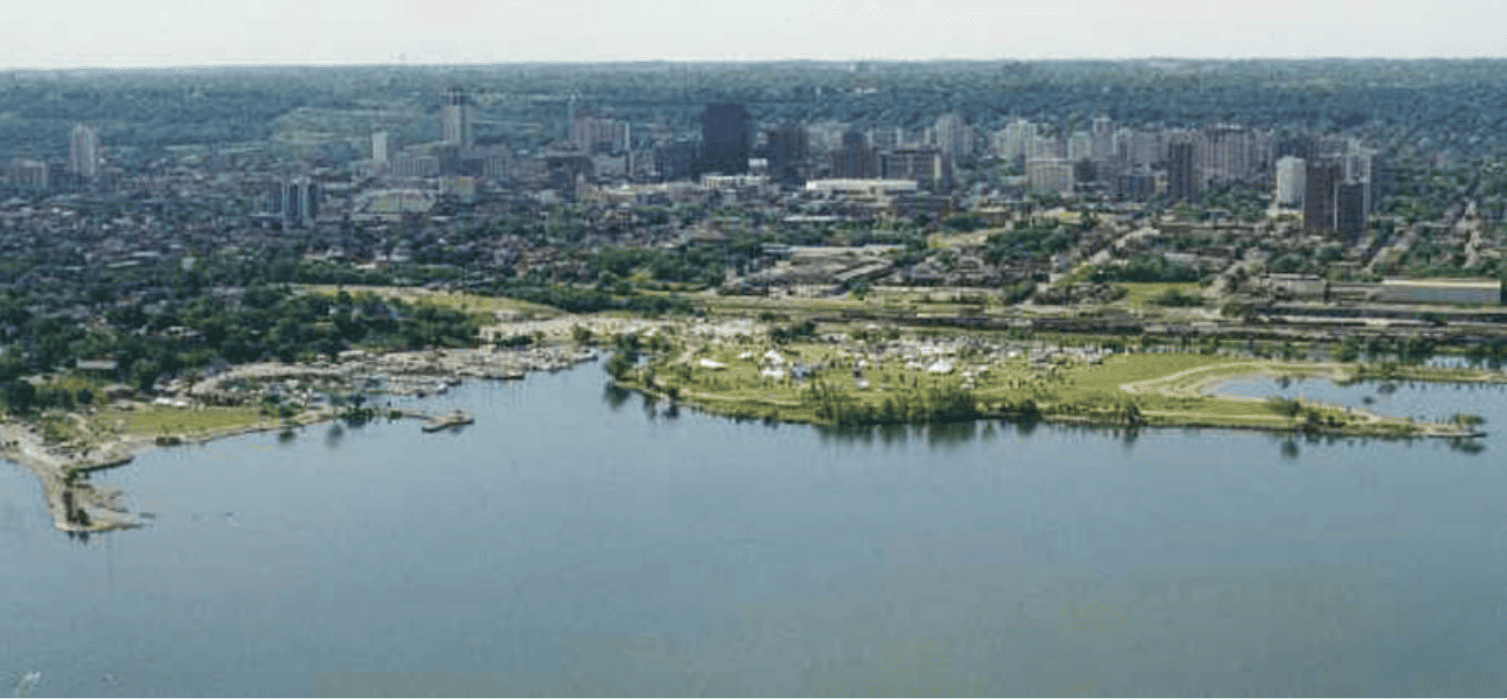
(566, 544)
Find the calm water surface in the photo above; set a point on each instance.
(566, 544)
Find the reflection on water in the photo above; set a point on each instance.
(615, 395)
(893, 433)
(944, 435)
(334, 435)
(1128, 436)
(1468, 446)
(951, 434)
(846, 434)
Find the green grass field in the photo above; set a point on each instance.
(159, 420)
(1167, 389)
(1141, 293)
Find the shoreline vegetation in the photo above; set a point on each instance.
(848, 374)
(843, 381)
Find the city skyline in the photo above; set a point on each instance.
(172, 33)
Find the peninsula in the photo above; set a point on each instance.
(838, 379)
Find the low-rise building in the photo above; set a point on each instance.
(1440, 291)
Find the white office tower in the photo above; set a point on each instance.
(379, 147)
(455, 117)
(1079, 146)
(1050, 175)
(1103, 149)
(1291, 179)
(1016, 139)
(83, 151)
(953, 136)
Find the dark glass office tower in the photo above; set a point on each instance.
(724, 139)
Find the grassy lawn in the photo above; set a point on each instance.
(1168, 385)
(1141, 293)
(1123, 369)
(159, 420)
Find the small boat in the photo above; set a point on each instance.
(448, 420)
(1386, 388)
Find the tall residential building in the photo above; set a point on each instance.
(1291, 171)
(598, 135)
(83, 151)
(1358, 168)
(1182, 179)
(676, 160)
(301, 202)
(789, 148)
(1050, 175)
(953, 137)
(725, 137)
(856, 160)
(1350, 211)
(1000, 144)
(923, 164)
(1321, 190)
(455, 116)
(1337, 194)
(297, 200)
(1015, 140)
(1103, 134)
(1224, 155)
(491, 162)
(1143, 148)
(565, 171)
(379, 146)
(1079, 146)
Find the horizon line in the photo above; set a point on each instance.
(746, 61)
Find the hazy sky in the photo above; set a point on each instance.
(158, 33)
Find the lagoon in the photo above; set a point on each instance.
(573, 543)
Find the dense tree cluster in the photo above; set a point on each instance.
(935, 403)
(1027, 240)
(1145, 268)
(265, 323)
